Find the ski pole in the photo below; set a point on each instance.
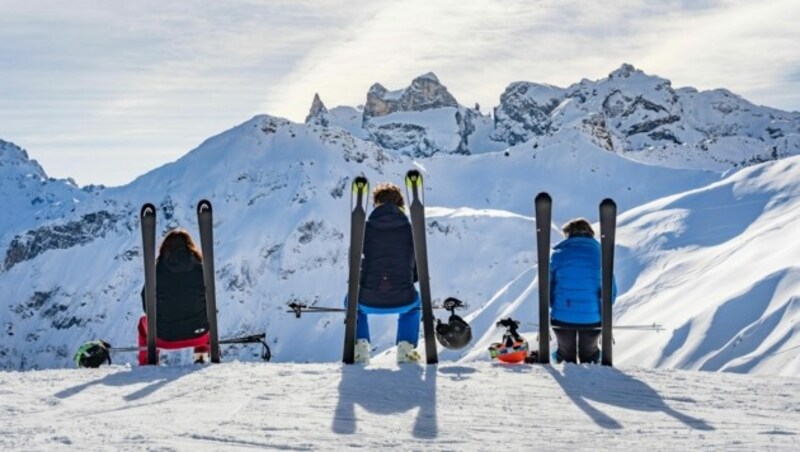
(298, 308)
(654, 327)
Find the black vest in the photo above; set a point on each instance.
(388, 269)
(180, 299)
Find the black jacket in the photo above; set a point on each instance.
(180, 298)
(388, 269)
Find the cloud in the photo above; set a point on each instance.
(145, 81)
(477, 48)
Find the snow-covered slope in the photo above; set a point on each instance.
(719, 268)
(281, 198)
(691, 244)
(474, 407)
(716, 266)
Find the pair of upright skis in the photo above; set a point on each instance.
(205, 221)
(414, 186)
(608, 225)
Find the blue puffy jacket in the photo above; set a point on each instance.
(575, 280)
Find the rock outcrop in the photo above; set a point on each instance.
(425, 93)
(317, 114)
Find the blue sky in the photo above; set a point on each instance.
(103, 92)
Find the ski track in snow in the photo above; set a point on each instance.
(476, 406)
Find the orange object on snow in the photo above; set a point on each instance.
(514, 354)
(513, 357)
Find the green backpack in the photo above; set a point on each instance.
(93, 354)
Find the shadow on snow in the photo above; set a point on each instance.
(610, 386)
(157, 377)
(387, 392)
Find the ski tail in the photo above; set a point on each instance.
(205, 221)
(358, 218)
(608, 226)
(147, 217)
(414, 185)
(543, 205)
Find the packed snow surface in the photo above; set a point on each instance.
(480, 406)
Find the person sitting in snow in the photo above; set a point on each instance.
(388, 274)
(182, 320)
(575, 301)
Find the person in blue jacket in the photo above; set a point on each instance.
(575, 284)
(388, 274)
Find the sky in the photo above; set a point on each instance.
(104, 91)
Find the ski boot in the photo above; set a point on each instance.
(362, 353)
(406, 353)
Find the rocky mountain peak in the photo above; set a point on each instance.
(317, 110)
(525, 110)
(12, 155)
(430, 77)
(10, 152)
(624, 71)
(425, 92)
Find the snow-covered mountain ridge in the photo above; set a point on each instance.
(72, 268)
(629, 112)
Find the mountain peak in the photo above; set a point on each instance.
(317, 109)
(11, 152)
(425, 92)
(624, 71)
(429, 76)
(13, 156)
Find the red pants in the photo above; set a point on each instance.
(199, 343)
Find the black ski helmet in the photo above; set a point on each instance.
(93, 354)
(454, 334)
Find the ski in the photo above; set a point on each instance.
(416, 194)
(147, 217)
(608, 226)
(543, 206)
(205, 221)
(358, 218)
(259, 338)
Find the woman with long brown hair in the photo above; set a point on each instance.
(180, 298)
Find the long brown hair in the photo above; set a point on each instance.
(178, 240)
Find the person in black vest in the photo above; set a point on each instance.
(388, 274)
(181, 320)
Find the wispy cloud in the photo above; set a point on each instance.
(136, 85)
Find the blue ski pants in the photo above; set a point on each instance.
(407, 321)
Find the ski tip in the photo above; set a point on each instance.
(148, 210)
(608, 202)
(204, 206)
(543, 196)
(360, 184)
(413, 177)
